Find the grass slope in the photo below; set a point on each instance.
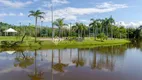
(87, 43)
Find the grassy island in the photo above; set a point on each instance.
(46, 44)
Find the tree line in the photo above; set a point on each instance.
(98, 28)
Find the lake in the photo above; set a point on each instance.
(122, 62)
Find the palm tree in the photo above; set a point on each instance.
(37, 14)
(60, 23)
(79, 27)
(84, 29)
(75, 28)
(105, 24)
(93, 25)
(96, 25)
(111, 21)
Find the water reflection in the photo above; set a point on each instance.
(65, 64)
(79, 61)
(22, 60)
(36, 75)
(59, 66)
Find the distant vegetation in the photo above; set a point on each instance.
(97, 28)
(101, 30)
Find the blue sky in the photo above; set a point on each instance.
(126, 12)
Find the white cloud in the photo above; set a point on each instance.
(21, 14)
(15, 4)
(3, 14)
(55, 3)
(71, 13)
(35, 0)
(110, 5)
(130, 24)
(60, 1)
(10, 14)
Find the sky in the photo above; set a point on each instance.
(125, 12)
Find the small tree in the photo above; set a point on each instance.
(102, 36)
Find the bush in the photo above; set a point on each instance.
(102, 36)
(10, 43)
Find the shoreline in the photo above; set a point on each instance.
(69, 44)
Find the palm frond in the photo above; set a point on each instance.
(41, 17)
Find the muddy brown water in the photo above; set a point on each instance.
(122, 62)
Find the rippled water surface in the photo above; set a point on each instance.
(123, 62)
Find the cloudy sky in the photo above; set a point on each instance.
(126, 12)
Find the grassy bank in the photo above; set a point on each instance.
(48, 44)
(15, 38)
(74, 44)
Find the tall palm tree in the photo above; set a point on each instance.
(37, 14)
(79, 27)
(93, 25)
(105, 24)
(111, 21)
(84, 29)
(60, 23)
(96, 25)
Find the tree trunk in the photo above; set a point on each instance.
(84, 34)
(107, 31)
(23, 38)
(111, 33)
(59, 32)
(94, 32)
(78, 32)
(89, 32)
(81, 33)
(35, 29)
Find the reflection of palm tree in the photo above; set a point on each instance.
(52, 64)
(106, 63)
(24, 61)
(37, 75)
(79, 61)
(70, 54)
(93, 65)
(59, 66)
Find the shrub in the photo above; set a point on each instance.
(102, 36)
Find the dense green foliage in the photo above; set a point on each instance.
(95, 28)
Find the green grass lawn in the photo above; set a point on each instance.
(87, 42)
(15, 38)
